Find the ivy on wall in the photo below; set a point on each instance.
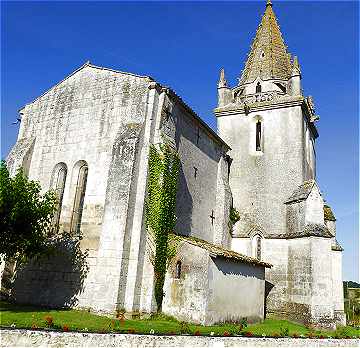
(234, 217)
(164, 166)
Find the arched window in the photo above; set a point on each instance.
(258, 247)
(79, 198)
(178, 270)
(58, 184)
(258, 87)
(258, 136)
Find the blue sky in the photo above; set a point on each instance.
(184, 45)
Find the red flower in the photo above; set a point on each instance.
(197, 333)
(65, 328)
(131, 331)
(248, 334)
(226, 333)
(49, 320)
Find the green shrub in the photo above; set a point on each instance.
(185, 328)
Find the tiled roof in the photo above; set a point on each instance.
(311, 230)
(268, 57)
(217, 250)
(328, 214)
(302, 192)
(336, 246)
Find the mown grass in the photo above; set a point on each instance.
(21, 316)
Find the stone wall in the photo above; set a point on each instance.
(28, 338)
(213, 289)
(94, 116)
(304, 283)
(262, 180)
(236, 291)
(186, 297)
(199, 174)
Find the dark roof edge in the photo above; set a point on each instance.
(196, 116)
(217, 250)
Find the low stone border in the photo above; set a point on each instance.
(32, 338)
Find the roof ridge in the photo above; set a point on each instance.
(221, 251)
(87, 63)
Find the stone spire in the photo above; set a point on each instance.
(222, 80)
(296, 67)
(268, 57)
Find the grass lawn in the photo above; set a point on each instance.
(76, 320)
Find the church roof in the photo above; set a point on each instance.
(217, 250)
(268, 57)
(310, 230)
(328, 214)
(302, 192)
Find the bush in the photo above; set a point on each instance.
(284, 331)
(184, 328)
(25, 216)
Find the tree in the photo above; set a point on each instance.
(25, 216)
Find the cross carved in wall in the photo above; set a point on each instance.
(212, 217)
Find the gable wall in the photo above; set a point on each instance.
(78, 120)
(87, 117)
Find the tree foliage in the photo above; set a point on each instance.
(25, 216)
(160, 208)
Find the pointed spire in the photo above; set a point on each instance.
(268, 57)
(222, 80)
(295, 67)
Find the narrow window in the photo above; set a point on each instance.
(79, 199)
(178, 270)
(258, 136)
(258, 88)
(59, 186)
(195, 172)
(258, 248)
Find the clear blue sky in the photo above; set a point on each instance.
(184, 45)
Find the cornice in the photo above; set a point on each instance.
(233, 108)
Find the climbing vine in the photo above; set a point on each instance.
(160, 210)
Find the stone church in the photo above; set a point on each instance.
(88, 138)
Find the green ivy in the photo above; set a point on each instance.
(234, 217)
(160, 210)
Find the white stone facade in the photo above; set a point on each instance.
(270, 127)
(97, 125)
(105, 121)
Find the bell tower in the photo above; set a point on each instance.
(270, 127)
